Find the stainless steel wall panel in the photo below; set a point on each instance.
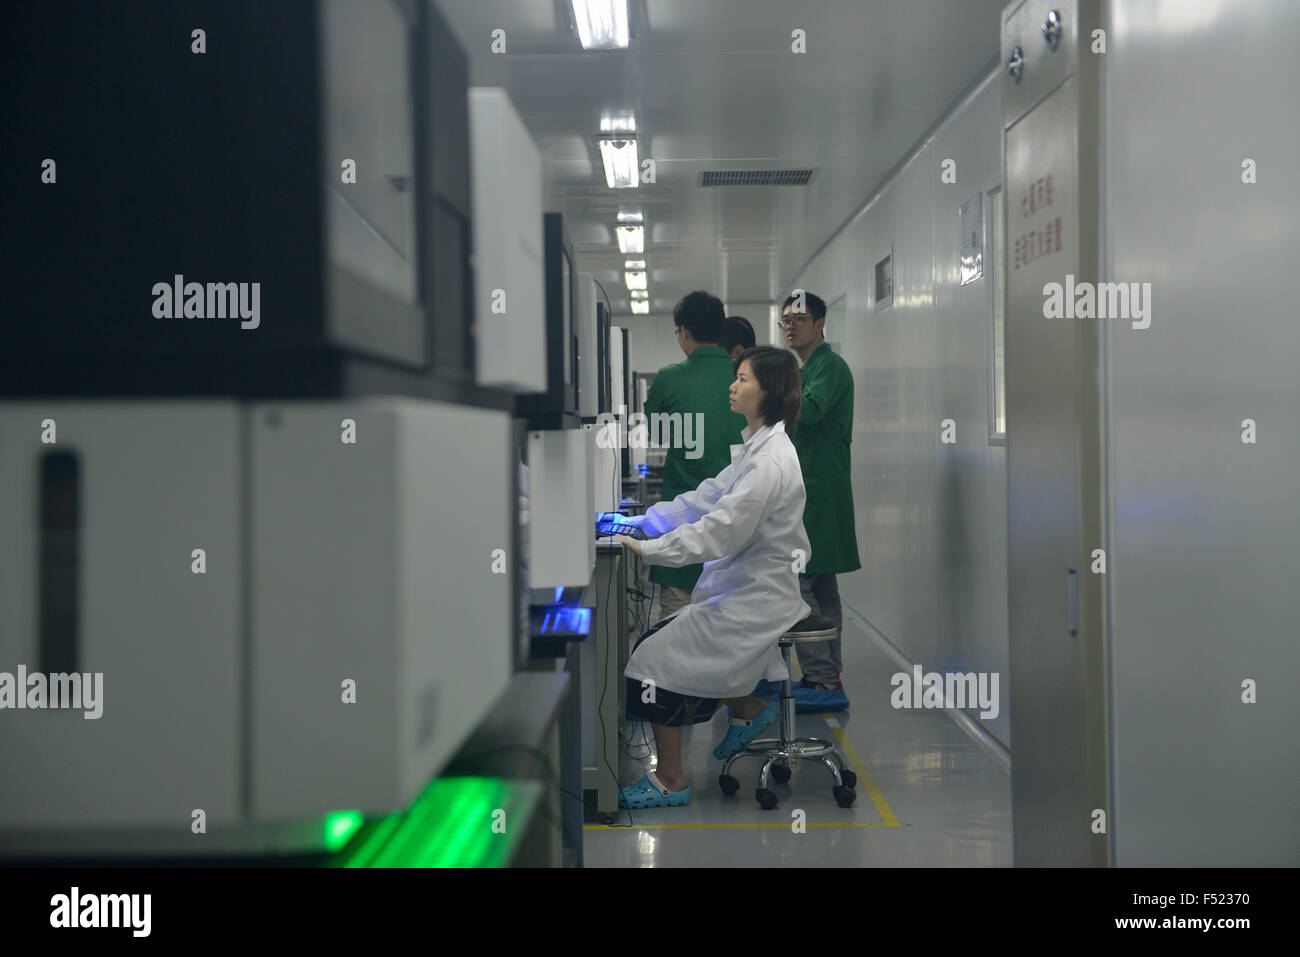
(1204, 528)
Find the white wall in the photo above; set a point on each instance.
(759, 315)
(931, 517)
(652, 344)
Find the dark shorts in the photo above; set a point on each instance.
(669, 708)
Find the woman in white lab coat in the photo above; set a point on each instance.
(746, 525)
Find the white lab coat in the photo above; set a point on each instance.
(746, 525)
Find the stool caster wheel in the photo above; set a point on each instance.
(728, 784)
(849, 778)
(844, 797)
(766, 799)
(781, 773)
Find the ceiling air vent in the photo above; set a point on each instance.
(755, 177)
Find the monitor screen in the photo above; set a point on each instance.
(566, 281)
(369, 154)
(602, 357)
(372, 187)
(558, 405)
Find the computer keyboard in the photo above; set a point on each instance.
(612, 526)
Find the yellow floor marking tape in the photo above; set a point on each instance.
(887, 818)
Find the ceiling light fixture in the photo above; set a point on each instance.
(618, 123)
(619, 157)
(639, 294)
(626, 216)
(634, 264)
(636, 280)
(631, 239)
(602, 24)
(641, 308)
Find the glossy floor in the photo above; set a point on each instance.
(927, 795)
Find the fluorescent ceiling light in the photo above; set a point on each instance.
(618, 123)
(619, 157)
(631, 239)
(634, 264)
(629, 217)
(602, 24)
(641, 308)
(639, 294)
(636, 280)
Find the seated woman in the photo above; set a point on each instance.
(747, 526)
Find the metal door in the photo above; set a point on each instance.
(1053, 438)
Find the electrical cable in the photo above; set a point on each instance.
(608, 304)
(600, 705)
(641, 625)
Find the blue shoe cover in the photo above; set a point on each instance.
(808, 699)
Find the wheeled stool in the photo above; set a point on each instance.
(779, 752)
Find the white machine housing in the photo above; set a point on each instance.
(605, 479)
(328, 565)
(561, 509)
(508, 246)
(388, 567)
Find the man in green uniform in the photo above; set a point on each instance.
(737, 336)
(822, 438)
(698, 388)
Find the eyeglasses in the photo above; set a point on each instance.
(784, 323)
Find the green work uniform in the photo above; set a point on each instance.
(822, 438)
(701, 384)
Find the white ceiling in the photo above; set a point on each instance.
(713, 84)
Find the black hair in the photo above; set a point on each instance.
(737, 332)
(777, 373)
(816, 304)
(702, 315)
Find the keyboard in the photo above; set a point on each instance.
(612, 526)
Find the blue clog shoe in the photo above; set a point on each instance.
(743, 731)
(648, 792)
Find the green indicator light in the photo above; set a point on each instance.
(449, 825)
(339, 828)
(364, 856)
